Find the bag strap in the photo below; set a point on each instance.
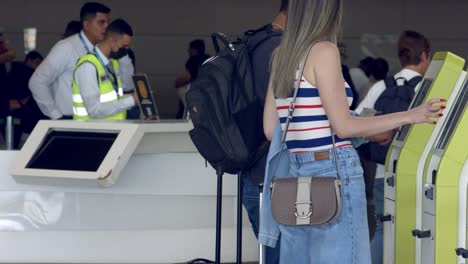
(414, 81)
(390, 82)
(255, 38)
(215, 37)
(291, 109)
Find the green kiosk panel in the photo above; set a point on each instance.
(441, 177)
(403, 157)
(427, 154)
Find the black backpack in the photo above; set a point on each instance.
(395, 98)
(226, 114)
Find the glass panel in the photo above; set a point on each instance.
(453, 118)
(418, 100)
(72, 150)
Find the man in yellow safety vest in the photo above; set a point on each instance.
(97, 88)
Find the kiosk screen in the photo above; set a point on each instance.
(452, 120)
(72, 150)
(418, 100)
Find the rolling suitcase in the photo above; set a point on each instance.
(219, 200)
(261, 255)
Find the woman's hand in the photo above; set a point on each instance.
(426, 113)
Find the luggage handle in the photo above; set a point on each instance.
(220, 36)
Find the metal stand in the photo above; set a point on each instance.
(261, 257)
(219, 203)
(9, 133)
(240, 188)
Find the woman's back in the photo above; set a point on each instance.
(309, 130)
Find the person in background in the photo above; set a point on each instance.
(261, 58)
(7, 54)
(21, 103)
(131, 55)
(346, 74)
(97, 87)
(197, 56)
(52, 81)
(414, 53)
(380, 69)
(73, 27)
(362, 74)
(134, 112)
(379, 72)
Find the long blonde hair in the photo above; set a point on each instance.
(308, 21)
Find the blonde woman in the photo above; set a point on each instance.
(322, 104)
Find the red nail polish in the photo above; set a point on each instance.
(443, 107)
(434, 123)
(441, 115)
(443, 100)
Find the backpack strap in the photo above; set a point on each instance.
(390, 82)
(414, 81)
(254, 38)
(267, 27)
(223, 38)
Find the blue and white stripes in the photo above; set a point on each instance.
(309, 130)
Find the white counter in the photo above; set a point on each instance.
(160, 210)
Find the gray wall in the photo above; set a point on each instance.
(164, 27)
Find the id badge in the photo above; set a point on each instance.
(104, 78)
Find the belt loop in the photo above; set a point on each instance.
(298, 160)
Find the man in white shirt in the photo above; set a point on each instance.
(414, 53)
(96, 89)
(51, 84)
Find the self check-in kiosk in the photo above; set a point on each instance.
(77, 151)
(402, 161)
(95, 152)
(113, 192)
(452, 104)
(438, 231)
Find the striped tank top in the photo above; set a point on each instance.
(309, 130)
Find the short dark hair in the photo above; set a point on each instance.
(366, 65)
(90, 10)
(72, 28)
(380, 69)
(198, 45)
(120, 27)
(284, 5)
(410, 47)
(33, 55)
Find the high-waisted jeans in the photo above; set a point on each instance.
(347, 239)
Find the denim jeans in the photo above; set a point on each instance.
(251, 201)
(344, 241)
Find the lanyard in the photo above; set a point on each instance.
(109, 72)
(84, 43)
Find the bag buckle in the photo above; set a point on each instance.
(302, 212)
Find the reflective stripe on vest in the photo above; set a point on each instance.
(106, 89)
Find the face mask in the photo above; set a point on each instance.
(119, 54)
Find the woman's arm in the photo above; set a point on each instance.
(323, 68)
(270, 115)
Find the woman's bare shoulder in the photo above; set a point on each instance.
(323, 53)
(324, 48)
